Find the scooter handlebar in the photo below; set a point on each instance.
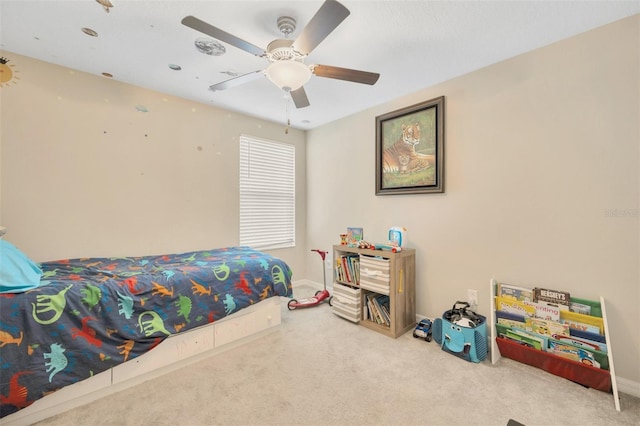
(322, 253)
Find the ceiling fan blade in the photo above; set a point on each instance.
(326, 19)
(217, 33)
(299, 97)
(355, 76)
(236, 81)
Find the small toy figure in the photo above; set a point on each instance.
(365, 245)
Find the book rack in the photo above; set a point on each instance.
(603, 379)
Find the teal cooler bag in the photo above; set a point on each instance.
(462, 332)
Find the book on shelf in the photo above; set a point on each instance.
(346, 269)
(382, 303)
(580, 308)
(544, 311)
(510, 323)
(596, 337)
(510, 316)
(583, 322)
(378, 306)
(509, 291)
(345, 266)
(583, 343)
(546, 327)
(561, 299)
(573, 353)
(370, 313)
(515, 307)
(339, 271)
(354, 262)
(530, 340)
(582, 326)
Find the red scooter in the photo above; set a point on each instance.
(320, 296)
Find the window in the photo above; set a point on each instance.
(267, 193)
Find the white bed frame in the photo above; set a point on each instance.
(173, 353)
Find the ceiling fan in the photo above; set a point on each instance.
(287, 69)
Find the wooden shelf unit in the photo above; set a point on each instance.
(399, 285)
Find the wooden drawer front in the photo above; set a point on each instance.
(374, 274)
(242, 326)
(346, 302)
(172, 349)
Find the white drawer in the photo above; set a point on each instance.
(345, 290)
(346, 302)
(243, 325)
(374, 265)
(174, 348)
(374, 274)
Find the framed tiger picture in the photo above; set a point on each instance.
(410, 149)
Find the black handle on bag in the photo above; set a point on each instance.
(459, 310)
(465, 305)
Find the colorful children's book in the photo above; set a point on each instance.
(583, 343)
(583, 322)
(532, 341)
(580, 308)
(515, 307)
(596, 337)
(510, 323)
(554, 297)
(573, 353)
(354, 235)
(509, 291)
(547, 328)
(510, 316)
(544, 311)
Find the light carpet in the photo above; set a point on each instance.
(319, 369)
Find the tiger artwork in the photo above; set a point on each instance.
(401, 157)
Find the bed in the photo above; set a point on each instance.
(97, 318)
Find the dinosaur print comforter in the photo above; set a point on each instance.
(95, 313)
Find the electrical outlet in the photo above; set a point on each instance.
(472, 298)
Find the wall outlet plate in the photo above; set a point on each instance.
(472, 298)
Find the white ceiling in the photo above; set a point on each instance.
(412, 44)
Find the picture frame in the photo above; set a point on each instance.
(410, 149)
(354, 236)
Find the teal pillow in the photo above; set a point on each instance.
(18, 273)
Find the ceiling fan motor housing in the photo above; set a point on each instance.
(281, 50)
(286, 25)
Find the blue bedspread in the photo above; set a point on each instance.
(96, 313)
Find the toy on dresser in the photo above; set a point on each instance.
(396, 237)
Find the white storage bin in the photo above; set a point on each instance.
(374, 274)
(346, 302)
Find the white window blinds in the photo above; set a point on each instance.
(267, 193)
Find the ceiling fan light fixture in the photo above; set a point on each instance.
(288, 75)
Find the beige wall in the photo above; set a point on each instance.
(84, 173)
(541, 182)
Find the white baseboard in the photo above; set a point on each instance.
(628, 386)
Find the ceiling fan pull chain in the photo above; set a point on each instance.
(286, 109)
